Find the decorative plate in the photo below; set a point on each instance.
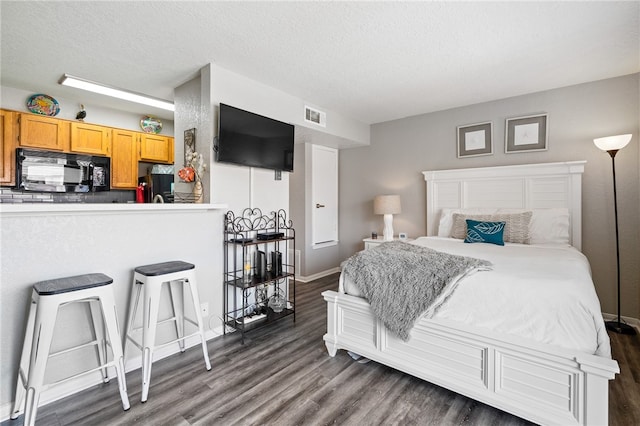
(43, 104)
(150, 124)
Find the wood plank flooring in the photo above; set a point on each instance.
(284, 376)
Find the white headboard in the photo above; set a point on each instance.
(526, 186)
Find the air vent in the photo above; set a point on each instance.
(315, 116)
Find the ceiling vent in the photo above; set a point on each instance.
(315, 116)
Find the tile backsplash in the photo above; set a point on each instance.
(8, 195)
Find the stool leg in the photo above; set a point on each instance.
(46, 314)
(23, 369)
(196, 304)
(134, 299)
(99, 325)
(177, 302)
(151, 305)
(112, 329)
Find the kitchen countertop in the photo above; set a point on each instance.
(34, 209)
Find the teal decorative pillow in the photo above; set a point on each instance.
(485, 232)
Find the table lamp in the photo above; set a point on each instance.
(388, 205)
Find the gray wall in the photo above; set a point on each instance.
(297, 202)
(401, 149)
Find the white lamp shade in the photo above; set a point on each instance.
(387, 204)
(612, 142)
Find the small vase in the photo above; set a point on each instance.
(277, 301)
(198, 197)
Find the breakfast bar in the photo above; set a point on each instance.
(44, 241)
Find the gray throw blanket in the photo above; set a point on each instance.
(401, 281)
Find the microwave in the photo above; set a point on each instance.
(50, 171)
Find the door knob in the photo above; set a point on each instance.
(319, 205)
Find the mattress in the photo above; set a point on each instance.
(540, 292)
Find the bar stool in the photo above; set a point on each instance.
(148, 280)
(46, 298)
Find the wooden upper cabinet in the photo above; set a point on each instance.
(156, 148)
(7, 147)
(125, 147)
(37, 131)
(90, 139)
(124, 159)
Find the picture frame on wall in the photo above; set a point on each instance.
(189, 142)
(526, 134)
(475, 139)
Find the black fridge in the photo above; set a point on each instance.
(158, 184)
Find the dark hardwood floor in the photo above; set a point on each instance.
(284, 376)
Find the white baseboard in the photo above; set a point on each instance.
(71, 387)
(319, 275)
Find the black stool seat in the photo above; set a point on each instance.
(164, 268)
(65, 285)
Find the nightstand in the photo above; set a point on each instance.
(374, 242)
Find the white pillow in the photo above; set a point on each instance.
(550, 226)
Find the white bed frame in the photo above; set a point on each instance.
(542, 383)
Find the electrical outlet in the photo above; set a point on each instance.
(204, 310)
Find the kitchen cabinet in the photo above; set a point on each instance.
(156, 148)
(37, 131)
(124, 159)
(90, 139)
(8, 133)
(125, 147)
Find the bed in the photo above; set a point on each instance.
(527, 371)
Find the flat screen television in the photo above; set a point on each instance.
(253, 140)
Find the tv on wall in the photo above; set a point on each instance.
(253, 140)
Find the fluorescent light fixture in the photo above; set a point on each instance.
(103, 89)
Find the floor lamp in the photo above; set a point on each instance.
(612, 144)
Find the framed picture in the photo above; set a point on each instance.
(189, 142)
(525, 134)
(475, 139)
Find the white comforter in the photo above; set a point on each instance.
(544, 293)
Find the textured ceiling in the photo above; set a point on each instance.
(372, 62)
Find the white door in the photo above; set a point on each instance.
(324, 190)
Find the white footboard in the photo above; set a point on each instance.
(543, 384)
